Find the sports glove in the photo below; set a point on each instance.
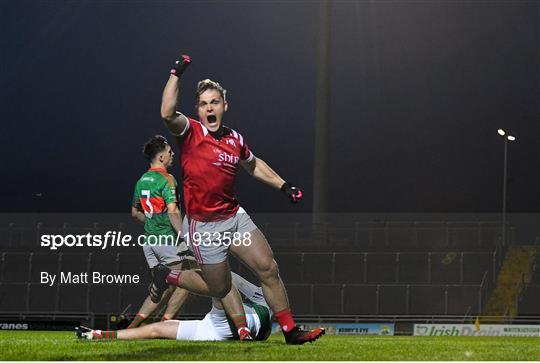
(292, 192)
(181, 65)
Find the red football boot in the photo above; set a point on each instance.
(299, 336)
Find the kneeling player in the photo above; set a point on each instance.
(214, 326)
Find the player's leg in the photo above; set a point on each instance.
(215, 271)
(222, 327)
(257, 306)
(156, 255)
(163, 330)
(259, 257)
(218, 277)
(189, 279)
(170, 256)
(251, 291)
(212, 255)
(168, 259)
(147, 308)
(176, 301)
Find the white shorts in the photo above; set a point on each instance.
(160, 254)
(215, 326)
(210, 241)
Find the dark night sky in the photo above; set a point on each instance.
(418, 90)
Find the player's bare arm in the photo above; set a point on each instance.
(176, 122)
(138, 214)
(261, 171)
(174, 216)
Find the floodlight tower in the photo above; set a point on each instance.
(322, 122)
(507, 138)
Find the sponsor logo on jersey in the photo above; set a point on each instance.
(147, 178)
(225, 157)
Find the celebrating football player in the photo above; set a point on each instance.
(210, 154)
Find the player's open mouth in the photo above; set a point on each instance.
(212, 119)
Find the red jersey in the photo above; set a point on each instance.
(209, 168)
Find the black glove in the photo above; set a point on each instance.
(181, 65)
(292, 192)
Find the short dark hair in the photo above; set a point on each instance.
(154, 146)
(207, 84)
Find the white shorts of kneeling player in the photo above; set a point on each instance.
(215, 326)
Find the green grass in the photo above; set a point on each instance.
(34, 345)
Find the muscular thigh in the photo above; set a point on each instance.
(217, 276)
(257, 255)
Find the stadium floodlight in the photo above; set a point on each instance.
(505, 181)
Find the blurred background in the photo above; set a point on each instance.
(417, 91)
(410, 95)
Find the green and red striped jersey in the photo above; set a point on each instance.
(154, 190)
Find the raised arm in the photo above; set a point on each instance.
(261, 171)
(176, 122)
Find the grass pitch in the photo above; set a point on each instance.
(35, 345)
